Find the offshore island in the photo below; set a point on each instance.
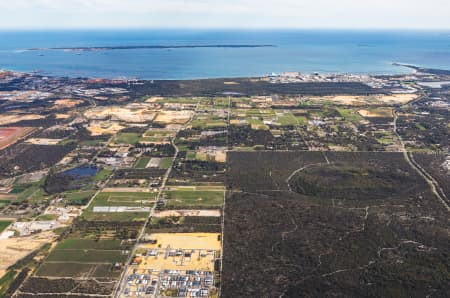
(141, 47)
(284, 185)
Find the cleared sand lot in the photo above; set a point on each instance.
(43, 141)
(371, 100)
(97, 128)
(10, 135)
(127, 114)
(174, 117)
(185, 241)
(13, 118)
(375, 113)
(66, 103)
(14, 249)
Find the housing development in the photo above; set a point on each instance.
(287, 185)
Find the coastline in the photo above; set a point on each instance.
(43, 73)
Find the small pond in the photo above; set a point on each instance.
(83, 171)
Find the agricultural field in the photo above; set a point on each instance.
(129, 138)
(142, 163)
(185, 199)
(120, 206)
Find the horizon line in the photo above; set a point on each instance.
(101, 28)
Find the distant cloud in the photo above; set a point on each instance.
(226, 13)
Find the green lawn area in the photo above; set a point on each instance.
(47, 217)
(191, 155)
(254, 121)
(127, 138)
(142, 162)
(27, 191)
(77, 243)
(114, 216)
(4, 224)
(79, 197)
(166, 162)
(386, 138)
(193, 198)
(86, 256)
(123, 199)
(103, 174)
(4, 202)
(289, 119)
(350, 115)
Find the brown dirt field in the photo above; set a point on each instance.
(398, 98)
(43, 141)
(371, 100)
(62, 116)
(154, 99)
(10, 135)
(135, 115)
(97, 128)
(173, 117)
(387, 112)
(13, 118)
(66, 103)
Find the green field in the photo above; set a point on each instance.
(159, 133)
(127, 138)
(166, 162)
(123, 199)
(81, 257)
(194, 198)
(6, 281)
(128, 199)
(4, 224)
(191, 155)
(47, 217)
(141, 163)
(79, 197)
(289, 119)
(350, 115)
(76, 243)
(86, 256)
(67, 269)
(102, 175)
(117, 216)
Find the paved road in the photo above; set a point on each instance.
(435, 187)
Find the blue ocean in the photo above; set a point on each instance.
(304, 51)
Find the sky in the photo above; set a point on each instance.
(251, 14)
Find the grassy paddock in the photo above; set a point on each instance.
(4, 224)
(86, 256)
(186, 198)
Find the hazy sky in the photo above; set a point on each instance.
(358, 14)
